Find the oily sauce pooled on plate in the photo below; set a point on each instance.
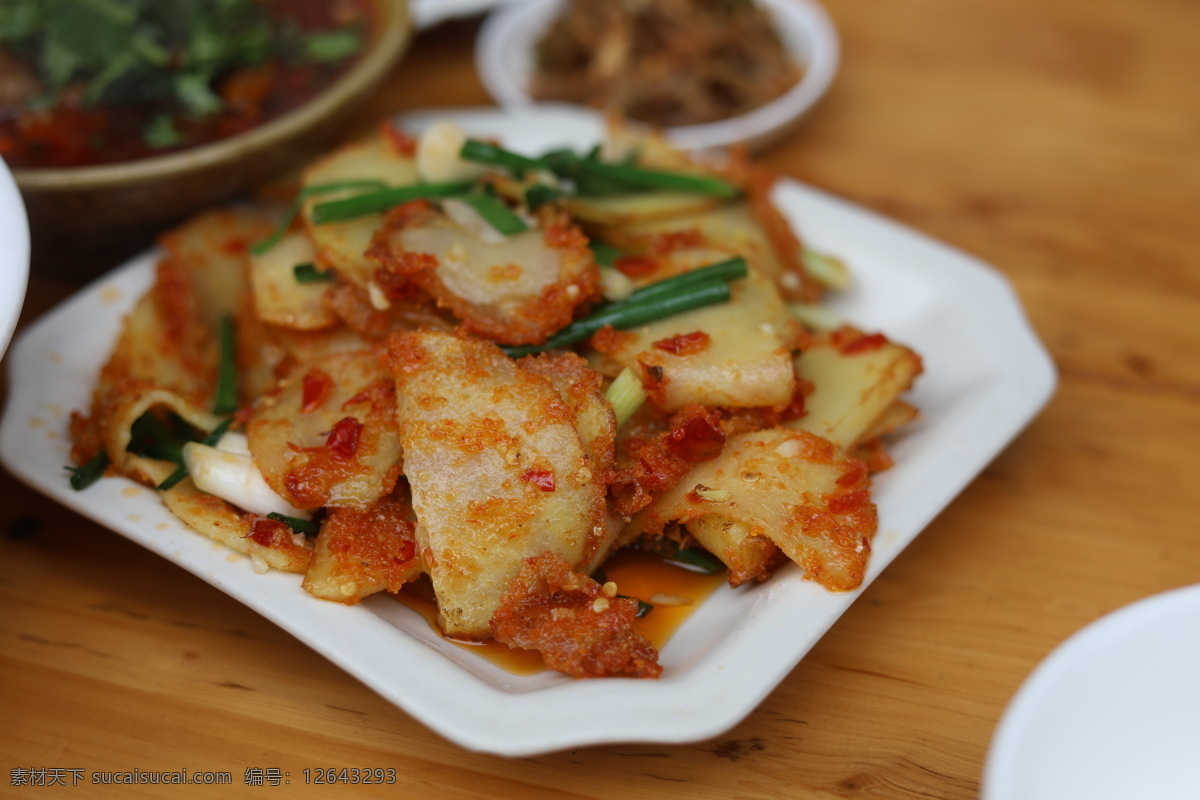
(637, 574)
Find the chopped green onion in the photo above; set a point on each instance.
(629, 314)
(298, 202)
(827, 270)
(495, 212)
(89, 473)
(539, 194)
(211, 440)
(643, 609)
(701, 560)
(308, 273)
(152, 437)
(374, 202)
(226, 402)
(815, 316)
(700, 287)
(605, 254)
(305, 527)
(495, 156)
(626, 395)
(641, 179)
(728, 270)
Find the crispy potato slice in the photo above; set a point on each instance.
(497, 470)
(580, 388)
(577, 627)
(213, 251)
(516, 290)
(280, 299)
(359, 553)
(791, 488)
(340, 245)
(734, 228)
(735, 354)
(270, 544)
(855, 379)
(328, 435)
(647, 207)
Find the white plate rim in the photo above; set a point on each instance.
(741, 643)
(504, 46)
(14, 258)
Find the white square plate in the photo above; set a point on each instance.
(986, 377)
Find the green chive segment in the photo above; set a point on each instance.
(495, 212)
(702, 287)
(211, 440)
(226, 402)
(89, 473)
(305, 527)
(304, 194)
(308, 273)
(626, 395)
(700, 560)
(374, 202)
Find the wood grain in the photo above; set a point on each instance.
(1059, 141)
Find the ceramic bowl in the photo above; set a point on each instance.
(504, 59)
(97, 203)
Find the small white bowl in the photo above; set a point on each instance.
(504, 59)
(1112, 714)
(14, 255)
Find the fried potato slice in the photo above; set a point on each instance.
(514, 289)
(327, 436)
(856, 378)
(734, 354)
(580, 388)
(497, 470)
(791, 488)
(280, 299)
(340, 245)
(359, 553)
(577, 627)
(269, 543)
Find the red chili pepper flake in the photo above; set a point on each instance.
(636, 266)
(671, 241)
(314, 388)
(406, 552)
(697, 438)
(542, 478)
(684, 344)
(404, 144)
(267, 532)
(342, 442)
(653, 375)
(797, 408)
(236, 245)
(862, 344)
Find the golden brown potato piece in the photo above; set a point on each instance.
(735, 354)
(856, 378)
(580, 388)
(783, 486)
(280, 299)
(340, 245)
(514, 289)
(359, 553)
(327, 436)
(497, 470)
(577, 626)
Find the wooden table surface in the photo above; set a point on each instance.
(1057, 140)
